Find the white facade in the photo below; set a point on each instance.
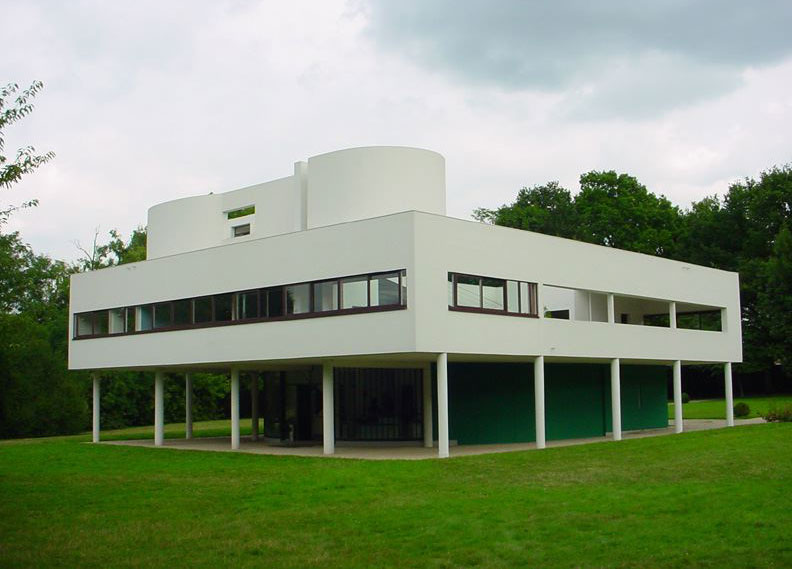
(328, 189)
(369, 210)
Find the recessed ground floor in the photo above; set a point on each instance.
(408, 452)
(425, 408)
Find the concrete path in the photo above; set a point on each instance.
(391, 452)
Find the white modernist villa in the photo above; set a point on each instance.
(361, 313)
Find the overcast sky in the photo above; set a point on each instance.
(150, 101)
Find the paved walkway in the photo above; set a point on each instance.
(391, 452)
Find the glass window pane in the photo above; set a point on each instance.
(182, 312)
(117, 321)
(492, 292)
(247, 305)
(203, 309)
(84, 324)
(512, 296)
(163, 318)
(325, 296)
(298, 299)
(145, 320)
(275, 302)
(468, 292)
(354, 292)
(222, 307)
(130, 319)
(241, 230)
(526, 299)
(450, 289)
(100, 322)
(404, 288)
(384, 289)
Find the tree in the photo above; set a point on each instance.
(14, 105)
(618, 211)
(38, 396)
(547, 209)
(775, 300)
(115, 251)
(31, 284)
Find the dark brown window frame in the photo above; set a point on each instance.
(532, 297)
(235, 320)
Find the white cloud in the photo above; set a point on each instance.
(146, 102)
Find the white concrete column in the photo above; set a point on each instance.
(427, 406)
(616, 399)
(727, 376)
(678, 421)
(611, 308)
(159, 408)
(234, 409)
(188, 401)
(96, 398)
(328, 409)
(539, 401)
(254, 406)
(442, 405)
(672, 315)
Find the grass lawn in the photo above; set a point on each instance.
(716, 408)
(702, 499)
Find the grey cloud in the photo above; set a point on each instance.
(611, 58)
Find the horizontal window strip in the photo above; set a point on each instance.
(372, 292)
(490, 295)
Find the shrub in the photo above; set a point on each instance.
(685, 398)
(782, 415)
(742, 410)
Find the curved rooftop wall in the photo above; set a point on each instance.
(360, 183)
(341, 186)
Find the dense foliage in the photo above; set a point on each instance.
(748, 230)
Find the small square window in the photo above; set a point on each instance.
(241, 230)
(298, 299)
(202, 308)
(325, 296)
(354, 292)
(222, 307)
(85, 324)
(182, 312)
(247, 305)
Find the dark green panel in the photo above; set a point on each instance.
(644, 397)
(575, 400)
(491, 403)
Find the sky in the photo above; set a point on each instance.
(148, 101)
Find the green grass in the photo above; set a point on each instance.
(716, 408)
(700, 499)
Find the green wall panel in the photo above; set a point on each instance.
(575, 400)
(494, 403)
(644, 397)
(491, 403)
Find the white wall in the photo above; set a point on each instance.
(337, 187)
(446, 244)
(191, 224)
(341, 250)
(428, 246)
(359, 183)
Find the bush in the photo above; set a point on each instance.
(742, 410)
(782, 415)
(685, 398)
